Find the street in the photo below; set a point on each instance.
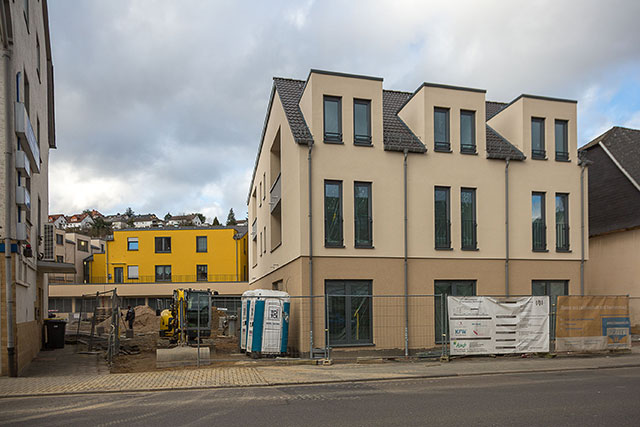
(585, 398)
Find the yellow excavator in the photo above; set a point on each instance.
(188, 321)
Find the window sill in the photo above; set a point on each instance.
(566, 251)
(443, 249)
(470, 249)
(163, 252)
(276, 247)
(538, 158)
(363, 144)
(443, 150)
(540, 250)
(563, 160)
(364, 247)
(472, 153)
(334, 246)
(202, 252)
(334, 142)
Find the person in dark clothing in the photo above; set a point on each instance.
(131, 315)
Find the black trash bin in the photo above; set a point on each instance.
(54, 328)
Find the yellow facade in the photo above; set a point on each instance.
(171, 255)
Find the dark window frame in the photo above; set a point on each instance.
(160, 242)
(364, 140)
(539, 153)
(327, 243)
(333, 137)
(442, 146)
(129, 277)
(163, 276)
(59, 239)
(349, 340)
(137, 242)
(206, 244)
(539, 230)
(468, 149)
(440, 327)
(563, 154)
(474, 225)
(369, 243)
(83, 245)
(563, 242)
(437, 242)
(199, 277)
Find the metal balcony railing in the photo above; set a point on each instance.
(469, 230)
(562, 237)
(28, 142)
(538, 154)
(562, 156)
(539, 235)
(188, 278)
(443, 235)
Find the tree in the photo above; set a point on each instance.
(231, 218)
(215, 221)
(202, 218)
(129, 212)
(100, 228)
(86, 211)
(167, 217)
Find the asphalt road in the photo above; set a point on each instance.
(584, 398)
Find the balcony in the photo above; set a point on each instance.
(21, 232)
(28, 142)
(23, 198)
(275, 193)
(22, 163)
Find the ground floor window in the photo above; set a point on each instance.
(85, 305)
(133, 302)
(160, 303)
(350, 312)
(442, 289)
(60, 305)
(163, 273)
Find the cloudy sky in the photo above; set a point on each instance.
(160, 104)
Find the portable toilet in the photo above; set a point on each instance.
(268, 327)
(246, 300)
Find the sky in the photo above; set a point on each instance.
(160, 104)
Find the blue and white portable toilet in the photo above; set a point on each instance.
(246, 300)
(268, 326)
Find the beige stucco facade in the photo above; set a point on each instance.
(286, 266)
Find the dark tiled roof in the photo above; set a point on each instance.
(290, 92)
(493, 108)
(624, 146)
(396, 135)
(499, 148)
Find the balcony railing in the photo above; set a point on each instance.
(562, 237)
(539, 235)
(562, 156)
(363, 231)
(538, 154)
(275, 193)
(28, 141)
(469, 229)
(23, 198)
(443, 235)
(442, 146)
(188, 278)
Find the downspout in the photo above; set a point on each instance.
(9, 284)
(583, 166)
(235, 238)
(506, 227)
(310, 259)
(406, 266)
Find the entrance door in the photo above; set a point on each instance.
(454, 288)
(552, 288)
(118, 274)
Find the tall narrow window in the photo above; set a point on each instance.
(562, 146)
(562, 222)
(538, 222)
(349, 310)
(201, 243)
(202, 273)
(38, 56)
(332, 119)
(537, 139)
(333, 214)
(442, 218)
(467, 132)
(468, 217)
(363, 216)
(361, 122)
(441, 129)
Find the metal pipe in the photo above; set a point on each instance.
(310, 258)
(506, 227)
(8, 167)
(406, 267)
(235, 238)
(583, 166)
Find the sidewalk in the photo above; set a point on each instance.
(301, 374)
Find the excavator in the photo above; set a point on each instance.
(185, 323)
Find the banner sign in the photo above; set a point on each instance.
(492, 325)
(593, 323)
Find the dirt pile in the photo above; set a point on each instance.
(145, 320)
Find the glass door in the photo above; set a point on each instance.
(442, 289)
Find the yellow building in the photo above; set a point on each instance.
(186, 254)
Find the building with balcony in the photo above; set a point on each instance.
(28, 133)
(614, 217)
(149, 263)
(359, 191)
(71, 248)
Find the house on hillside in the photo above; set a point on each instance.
(147, 221)
(614, 216)
(117, 221)
(178, 220)
(58, 220)
(81, 221)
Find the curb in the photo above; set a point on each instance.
(337, 381)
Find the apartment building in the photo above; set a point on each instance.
(28, 133)
(149, 263)
(614, 216)
(365, 191)
(71, 248)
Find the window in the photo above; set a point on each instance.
(133, 302)
(59, 258)
(539, 226)
(442, 218)
(333, 119)
(132, 244)
(467, 132)
(468, 218)
(25, 6)
(27, 93)
(202, 273)
(441, 129)
(163, 273)
(362, 213)
(118, 275)
(264, 247)
(59, 239)
(562, 222)
(38, 56)
(132, 272)
(61, 305)
(442, 289)
(163, 244)
(562, 146)
(201, 244)
(83, 245)
(333, 214)
(537, 139)
(264, 189)
(361, 122)
(349, 308)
